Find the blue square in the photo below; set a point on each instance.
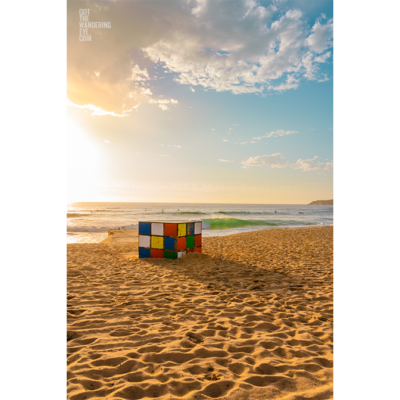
(169, 243)
(190, 229)
(144, 253)
(144, 228)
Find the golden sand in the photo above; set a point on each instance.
(250, 318)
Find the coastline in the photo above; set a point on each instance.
(98, 237)
(250, 317)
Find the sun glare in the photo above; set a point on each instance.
(83, 163)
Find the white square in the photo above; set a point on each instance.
(181, 253)
(144, 241)
(197, 228)
(157, 229)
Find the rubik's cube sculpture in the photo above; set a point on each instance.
(169, 239)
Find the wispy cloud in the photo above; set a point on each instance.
(192, 89)
(280, 132)
(107, 141)
(220, 159)
(278, 161)
(225, 140)
(95, 110)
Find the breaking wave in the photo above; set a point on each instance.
(229, 223)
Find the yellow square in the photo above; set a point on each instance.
(181, 229)
(157, 242)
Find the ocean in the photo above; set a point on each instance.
(89, 222)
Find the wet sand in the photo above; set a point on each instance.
(250, 318)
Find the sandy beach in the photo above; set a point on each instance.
(249, 318)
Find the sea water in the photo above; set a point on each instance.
(89, 222)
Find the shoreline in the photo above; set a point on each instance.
(104, 234)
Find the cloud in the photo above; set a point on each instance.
(280, 132)
(313, 165)
(163, 103)
(241, 47)
(94, 110)
(220, 159)
(225, 140)
(321, 36)
(192, 89)
(273, 160)
(107, 141)
(278, 161)
(176, 145)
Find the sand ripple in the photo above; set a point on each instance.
(250, 318)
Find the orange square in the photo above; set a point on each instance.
(171, 230)
(182, 243)
(197, 241)
(198, 249)
(157, 253)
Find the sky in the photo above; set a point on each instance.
(200, 101)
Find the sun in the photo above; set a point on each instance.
(83, 162)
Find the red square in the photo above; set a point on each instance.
(157, 253)
(189, 250)
(197, 241)
(171, 230)
(198, 249)
(182, 243)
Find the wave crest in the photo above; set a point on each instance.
(229, 223)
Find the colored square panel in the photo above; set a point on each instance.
(144, 241)
(157, 242)
(170, 254)
(198, 249)
(190, 242)
(190, 228)
(144, 228)
(181, 254)
(170, 229)
(197, 241)
(189, 250)
(170, 243)
(157, 229)
(197, 228)
(181, 243)
(144, 253)
(157, 253)
(181, 229)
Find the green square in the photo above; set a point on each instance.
(170, 254)
(189, 242)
